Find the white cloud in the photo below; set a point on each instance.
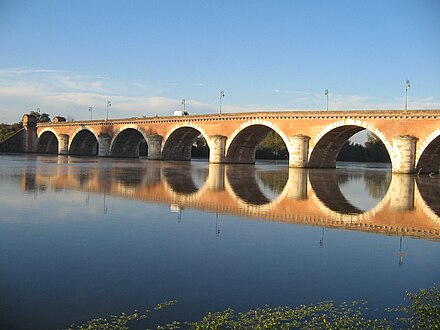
(68, 94)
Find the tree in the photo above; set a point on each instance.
(41, 117)
(272, 147)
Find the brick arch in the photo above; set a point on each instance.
(129, 147)
(428, 154)
(326, 145)
(87, 146)
(241, 145)
(179, 140)
(51, 145)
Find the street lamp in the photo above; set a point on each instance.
(222, 95)
(326, 96)
(91, 113)
(109, 104)
(184, 106)
(407, 87)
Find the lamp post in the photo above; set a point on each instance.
(326, 96)
(222, 95)
(184, 105)
(407, 87)
(109, 104)
(91, 113)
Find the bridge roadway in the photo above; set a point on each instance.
(312, 138)
(409, 207)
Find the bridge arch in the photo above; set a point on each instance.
(47, 141)
(179, 141)
(326, 145)
(243, 142)
(428, 154)
(130, 141)
(84, 142)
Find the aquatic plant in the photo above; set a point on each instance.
(421, 312)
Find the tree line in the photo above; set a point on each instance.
(7, 130)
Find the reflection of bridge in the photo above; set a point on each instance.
(312, 138)
(303, 196)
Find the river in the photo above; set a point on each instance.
(87, 237)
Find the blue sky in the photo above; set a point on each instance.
(146, 56)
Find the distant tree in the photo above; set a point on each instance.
(376, 150)
(41, 117)
(272, 147)
(7, 130)
(200, 148)
(373, 151)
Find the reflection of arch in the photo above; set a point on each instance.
(242, 144)
(428, 154)
(84, 143)
(326, 187)
(179, 141)
(47, 142)
(330, 140)
(129, 177)
(429, 189)
(335, 209)
(180, 179)
(129, 142)
(242, 185)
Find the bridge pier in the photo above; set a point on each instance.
(104, 145)
(154, 146)
(297, 184)
(63, 144)
(218, 149)
(30, 135)
(403, 155)
(402, 192)
(216, 177)
(298, 151)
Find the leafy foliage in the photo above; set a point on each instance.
(422, 312)
(8, 130)
(373, 151)
(41, 117)
(271, 147)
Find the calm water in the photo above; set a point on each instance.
(87, 237)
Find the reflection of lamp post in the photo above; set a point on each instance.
(222, 95)
(326, 96)
(401, 254)
(321, 241)
(105, 206)
(217, 227)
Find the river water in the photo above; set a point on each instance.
(86, 237)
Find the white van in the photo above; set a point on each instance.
(181, 113)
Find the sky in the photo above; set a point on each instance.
(62, 57)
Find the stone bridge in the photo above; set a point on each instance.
(410, 205)
(312, 138)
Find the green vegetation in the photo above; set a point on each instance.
(41, 117)
(6, 130)
(422, 312)
(272, 147)
(373, 151)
